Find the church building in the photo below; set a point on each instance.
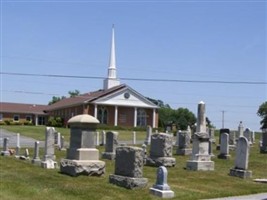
(115, 105)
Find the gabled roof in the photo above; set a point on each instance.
(6, 107)
(82, 99)
(93, 97)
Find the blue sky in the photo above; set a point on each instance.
(180, 40)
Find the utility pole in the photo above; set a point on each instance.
(223, 118)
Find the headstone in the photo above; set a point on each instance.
(247, 134)
(82, 156)
(57, 139)
(161, 188)
(103, 138)
(232, 138)
(183, 143)
(5, 151)
(241, 159)
(97, 139)
(128, 168)
(240, 131)
(148, 135)
(144, 153)
(189, 132)
(26, 155)
(18, 146)
(200, 159)
(212, 135)
(224, 147)
(111, 144)
(252, 137)
(211, 149)
(161, 151)
(36, 159)
(263, 147)
(49, 158)
(62, 145)
(134, 137)
(223, 130)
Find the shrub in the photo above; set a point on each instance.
(55, 122)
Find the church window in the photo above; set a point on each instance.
(141, 117)
(102, 115)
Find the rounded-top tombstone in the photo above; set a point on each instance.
(82, 156)
(83, 121)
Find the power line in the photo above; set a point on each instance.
(138, 79)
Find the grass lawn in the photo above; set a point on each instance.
(22, 180)
(38, 132)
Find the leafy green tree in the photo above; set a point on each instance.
(55, 99)
(184, 118)
(74, 93)
(262, 112)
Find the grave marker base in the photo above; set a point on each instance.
(162, 193)
(224, 156)
(128, 182)
(161, 161)
(184, 152)
(200, 165)
(108, 155)
(82, 167)
(240, 173)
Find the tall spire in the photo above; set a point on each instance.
(112, 80)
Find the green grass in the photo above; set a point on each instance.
(22, 180)
(38, 132)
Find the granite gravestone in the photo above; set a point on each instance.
(111, 144)
(161, 188)
(48, 161)
(82, 156)
(183, 143)
(5, 151)
(36, 159)
(241, 159)
(161, 151)
(128, 168)
(224, 147)
(201, 158)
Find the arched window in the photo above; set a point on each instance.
(102, 115)
(141, 117)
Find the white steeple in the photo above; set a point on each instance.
(112, 80)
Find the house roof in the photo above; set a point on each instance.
(84, 98)
(22, 108)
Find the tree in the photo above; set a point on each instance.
(74, 93)
(262, 113)
(55, 99)
(71, 94)
(184, 118)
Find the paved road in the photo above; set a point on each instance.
(24, 141)
(261, 196)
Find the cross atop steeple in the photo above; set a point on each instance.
(112, 80)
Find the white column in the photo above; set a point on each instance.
(95, 114)
(154, 118)
(116, 116)
(36, 120)
(135, 116)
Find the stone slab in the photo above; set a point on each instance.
(200, 165)
(184, 152)
(83, 154)
(162, 193)
(224, 156)
(240, 173)
(49, 164)
(128, 182)
(161, 161)
(263, 149)
(109, 155)
(82, 167)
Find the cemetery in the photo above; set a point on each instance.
(159, 166)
